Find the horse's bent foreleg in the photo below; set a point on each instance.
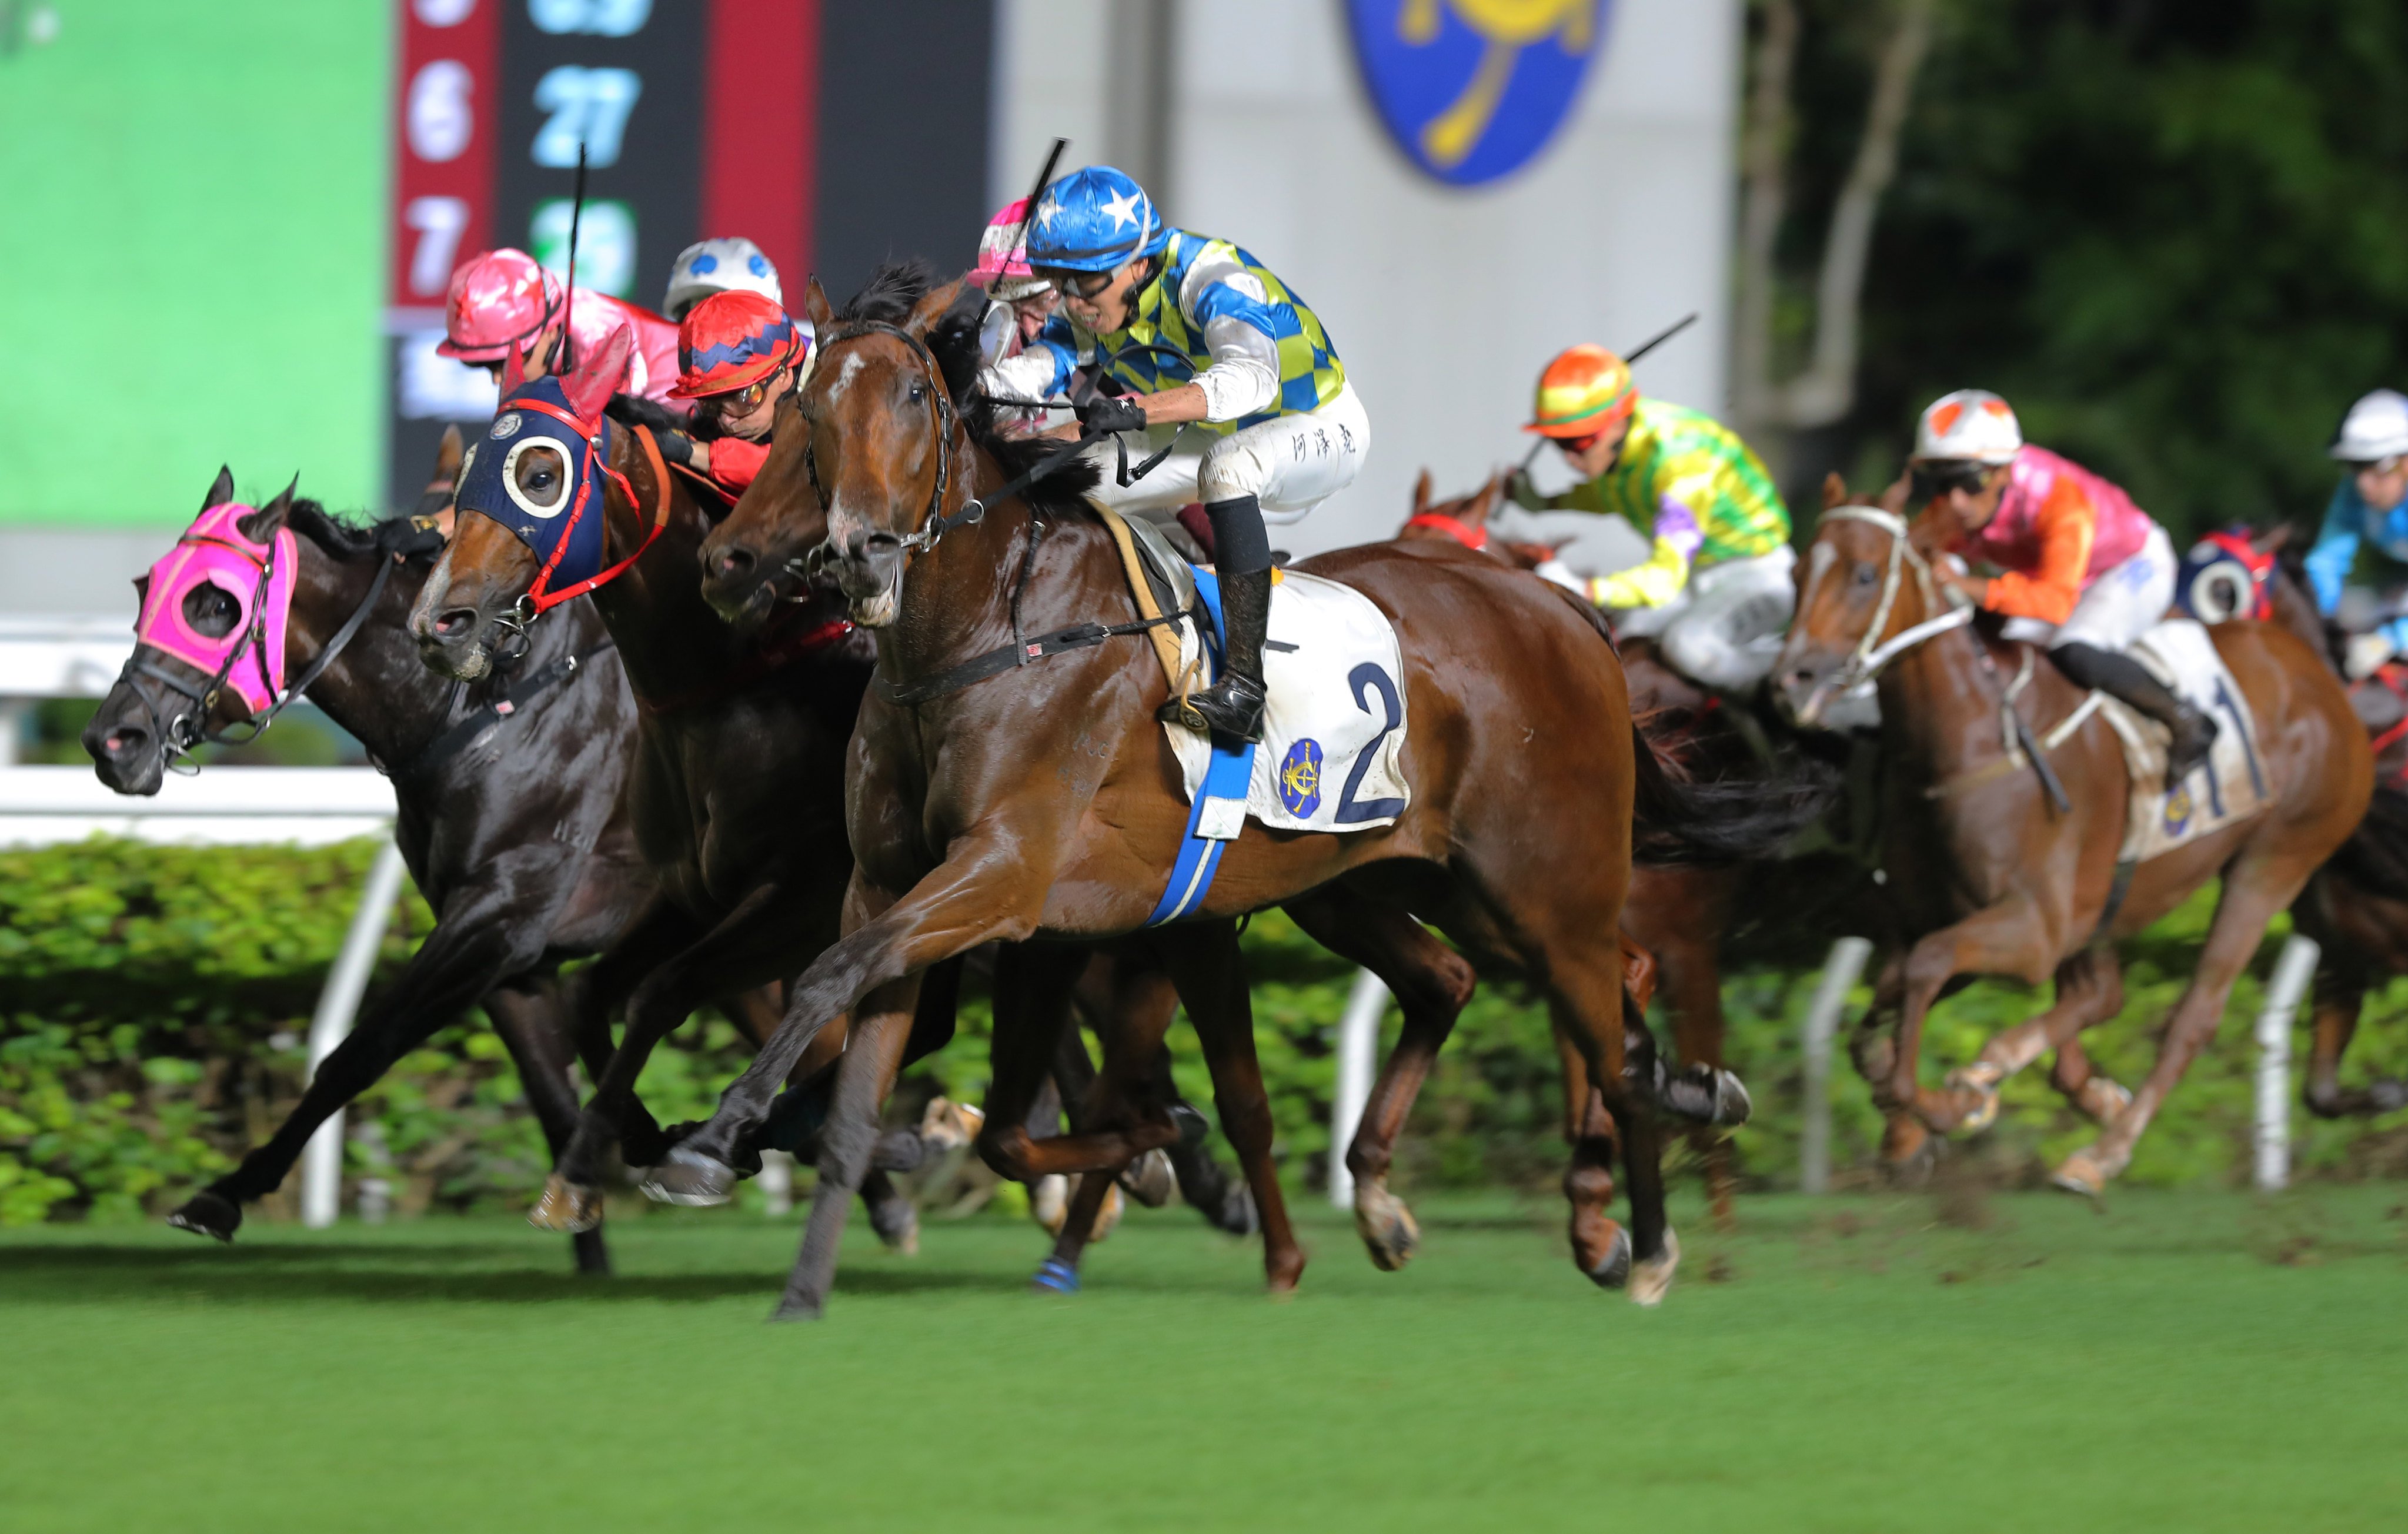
(2090, 991)
(1998, 939)
(2243, 910)
(1033, 989)
(1431, 983)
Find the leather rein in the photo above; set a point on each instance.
(935, 523)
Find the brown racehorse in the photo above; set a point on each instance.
(1991, 879)
(1042, 803)
(1690, 915)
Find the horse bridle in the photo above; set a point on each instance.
(179, 736)
(1873, 654)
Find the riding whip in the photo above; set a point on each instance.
(1629, 357)
(569, 299)
(1029, 209)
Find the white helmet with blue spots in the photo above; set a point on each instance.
(719, 266)
(1093, 220)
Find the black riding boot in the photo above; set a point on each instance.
(1233, 706)
(2194, 733)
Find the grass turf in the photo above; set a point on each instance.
(2199, 1360)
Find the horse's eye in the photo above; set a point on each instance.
(919, 392)
(1863, 575)
(211, 610)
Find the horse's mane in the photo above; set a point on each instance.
(891, 293)
(337, 536)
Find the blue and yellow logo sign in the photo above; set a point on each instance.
(2179, 809)
(1472, 89)
(1299, 778)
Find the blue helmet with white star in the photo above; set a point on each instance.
(1093, 220)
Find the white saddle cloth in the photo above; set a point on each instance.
(2230, 787)
(1332, 757)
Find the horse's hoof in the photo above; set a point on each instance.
(1980, 1081)
(1149, 1180)
(791, 1308)
(2102, 1101)
(207, 1214)
(2384, 1096)
(949, 1125)
(1651, 1280)
(1049, 1202)
(1389, 1231)
(567, 1207)
(1612, 1270)
(1056, 1277)
(2081, 1172)
(897, 1224)
(690, 1178)
(1907, 1153)
(1732, 1105)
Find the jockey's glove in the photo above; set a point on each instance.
(677, 446)
(1564, 576)
(2366, 654)
(1106, 413)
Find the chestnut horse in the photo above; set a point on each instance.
(1992, 877)
(1690, 915)
(1043, 806)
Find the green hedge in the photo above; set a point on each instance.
(155, 1003)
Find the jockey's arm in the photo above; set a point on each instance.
(1660, 577)
(2336, 551)
(1230, 306)
(2067, 524)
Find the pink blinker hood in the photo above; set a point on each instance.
(250, 657)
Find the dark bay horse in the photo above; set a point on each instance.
(737, 790)
(1043, 806)
(1693, 916)
(514, 828)
(1991, 878)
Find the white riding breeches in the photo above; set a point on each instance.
(1291, 465)
(2123, 603)
(1726, 627)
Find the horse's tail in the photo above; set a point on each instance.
(1729, 820)
(2376, 857)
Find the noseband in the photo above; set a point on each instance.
(934, 522)
(1872, 654)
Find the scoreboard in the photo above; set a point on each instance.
(697, 117)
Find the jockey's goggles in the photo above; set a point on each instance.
(1582, 444)
(1931, 479)
(2378, 466)
(742, 401)
(1087, 286)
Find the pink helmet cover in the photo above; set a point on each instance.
(215, 551)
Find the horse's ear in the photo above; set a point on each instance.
(1893, 500)
(1835, 490)
(932, 306)
(142, 591)
(448, 454)
(2273, 540)
(266, 522)
(221, 491)
(1422, 494)
(513, 367)
(817, 308)
(1484, 504)
(596, 378)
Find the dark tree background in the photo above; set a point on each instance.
(2173, 232)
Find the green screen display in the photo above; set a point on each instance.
(191, 257)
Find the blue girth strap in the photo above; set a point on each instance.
(1219, 812)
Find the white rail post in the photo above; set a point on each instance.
(1359, 1047)
(2292, 973)
(322, 1162)
(1840, 972)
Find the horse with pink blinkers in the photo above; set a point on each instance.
(219, 582)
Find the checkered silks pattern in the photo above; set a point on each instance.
(1685, 455)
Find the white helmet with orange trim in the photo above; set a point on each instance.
(1970, 426)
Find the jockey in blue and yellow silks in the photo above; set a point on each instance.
(1222, 363)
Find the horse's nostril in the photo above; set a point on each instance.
(734, 562)
(452, 623)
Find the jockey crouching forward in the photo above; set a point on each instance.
(1230, 374)
(501, 299)
(1019, 305)
(738, 354)
(2083, 570)
(2368, 515)
(1715, 590)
